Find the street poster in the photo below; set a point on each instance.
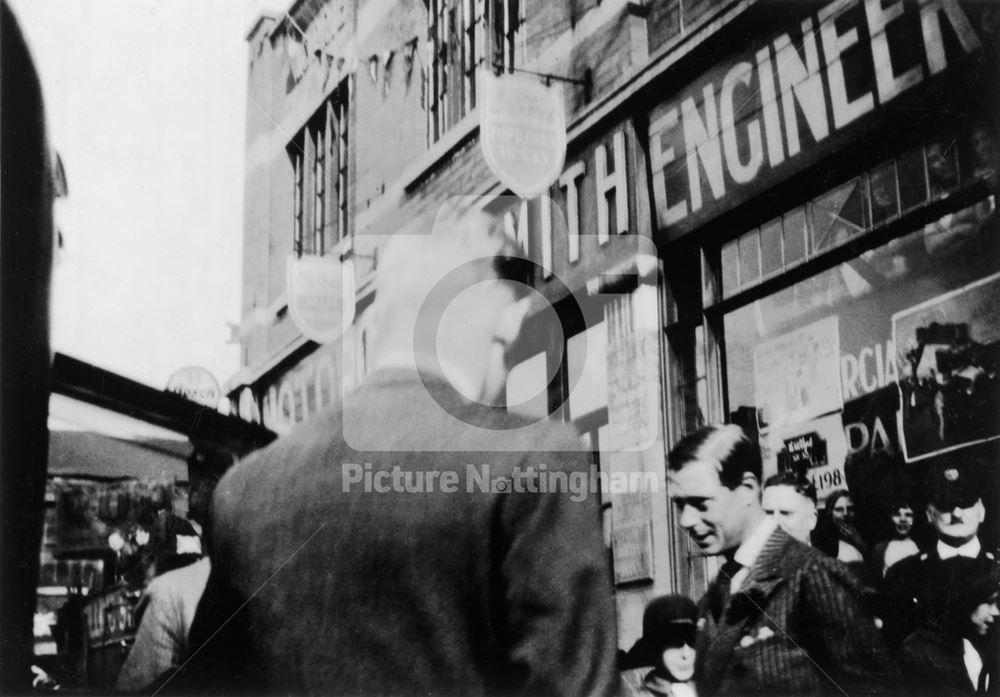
(797, 375)
(815, 448)
(948, 351)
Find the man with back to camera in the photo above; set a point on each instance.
(322, 585)
(781, 617)
(955, 511)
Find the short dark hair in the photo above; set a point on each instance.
(725, 444)
(801, 484)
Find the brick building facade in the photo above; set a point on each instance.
(758, 147)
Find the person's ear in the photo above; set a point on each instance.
(813, 519)
(930, 513)
(751, 482)
(980, 510)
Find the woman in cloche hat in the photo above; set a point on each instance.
(667, 644)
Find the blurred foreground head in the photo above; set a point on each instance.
(449, 300)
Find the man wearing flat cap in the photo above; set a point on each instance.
(955, 510)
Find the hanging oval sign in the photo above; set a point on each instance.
(522, 131)
(320, 296)
(197, 384)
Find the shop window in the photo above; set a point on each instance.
(463, 36)
(749, 258)
(730, 266)
(912, 179)
(894, 352)
(921, 174)
(759, 254)
(839, 215)
(318, 155)
(884, 193)
(795, 233)
(770, 248)
(942, 166)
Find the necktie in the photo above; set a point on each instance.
(724, 584)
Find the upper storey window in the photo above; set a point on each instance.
(318, 154)
(463, 36)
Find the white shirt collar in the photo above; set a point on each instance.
(970, 549)
(973, 662)
(749, 550)
(448, 371)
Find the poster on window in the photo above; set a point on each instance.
(816, 448)
(797, 375)
(948, 351)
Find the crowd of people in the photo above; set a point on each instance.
(315, 587)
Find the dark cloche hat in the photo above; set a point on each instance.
(667, 619)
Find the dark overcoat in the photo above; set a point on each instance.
(796, 627)
(322, 584)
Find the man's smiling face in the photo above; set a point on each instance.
(714, 516)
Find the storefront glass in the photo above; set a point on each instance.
(890, 358)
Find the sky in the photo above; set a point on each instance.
(146, 107)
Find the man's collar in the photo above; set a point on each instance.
(442, 369)
(970, 549)
(747, 553)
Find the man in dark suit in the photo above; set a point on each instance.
(365, 553)
(782, 617)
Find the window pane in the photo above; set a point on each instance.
(749, 259)
(839, 215)
(730, 268)
(884, 198)
(866, 301)
(942, 166)
(912, 179)
(770, 247)
(795, 235)
(983, 154)
(588, 350)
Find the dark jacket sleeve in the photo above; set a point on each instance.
(560, 619)
(842, 635)
(928, 670)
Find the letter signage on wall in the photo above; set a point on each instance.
(769, 112)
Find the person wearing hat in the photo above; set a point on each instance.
(667, 644)
(955, 511)
(954, 651)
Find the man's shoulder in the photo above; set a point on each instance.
(811, 562)
(179, 582)
(910, 566)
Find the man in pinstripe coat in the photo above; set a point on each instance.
(781, 618)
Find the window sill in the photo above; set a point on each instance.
(446, 144)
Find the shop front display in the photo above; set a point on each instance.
(826, 204)
(888, 359)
